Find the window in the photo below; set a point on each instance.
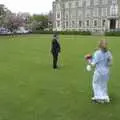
(95, 12)
(66, 15)
(66, 24)
(80, 3)
(114, 10)
(104, 2)
(73, 5)
(58, 23)
(80, 23)
(96, 2)
(66, 5)
(95, 23)
(103, 23)
(58, 6)
(88, 3)
(70, 5)
(87, 13)
(77, 4)
(104, 12)
(73, 13)
(58, 15)
(114, 1)
(73, 24)
(87, 23)
(80, 13)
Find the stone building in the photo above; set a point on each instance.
(86, 15)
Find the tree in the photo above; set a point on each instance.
(2, 14)
(50, 20)
(14, 21)
(41, 21)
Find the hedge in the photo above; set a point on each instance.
(63, 32)
(113, 33)
(52, 32)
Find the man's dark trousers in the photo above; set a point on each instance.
(55, 60)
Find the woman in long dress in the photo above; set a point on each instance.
(101, 60)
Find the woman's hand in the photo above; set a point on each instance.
(88, 56)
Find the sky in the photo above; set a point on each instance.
(31, 6)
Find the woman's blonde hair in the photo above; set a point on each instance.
(101, 43)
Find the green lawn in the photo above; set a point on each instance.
(31, 90)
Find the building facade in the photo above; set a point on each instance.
(86, 15)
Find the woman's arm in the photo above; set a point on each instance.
(93, 60)
(110, 59)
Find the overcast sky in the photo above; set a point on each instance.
(31, 6)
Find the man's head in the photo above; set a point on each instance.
(56, 36)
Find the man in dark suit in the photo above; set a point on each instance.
(55, 50)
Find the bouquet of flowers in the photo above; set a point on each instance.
(88, 57)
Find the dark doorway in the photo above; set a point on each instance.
(113, 24)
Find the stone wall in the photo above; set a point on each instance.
(84, 15)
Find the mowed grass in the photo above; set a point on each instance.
(31, 90)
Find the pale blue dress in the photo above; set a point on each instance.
(102, 61)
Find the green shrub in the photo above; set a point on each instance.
(42, 32)
(117, 33)
(64, 32)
